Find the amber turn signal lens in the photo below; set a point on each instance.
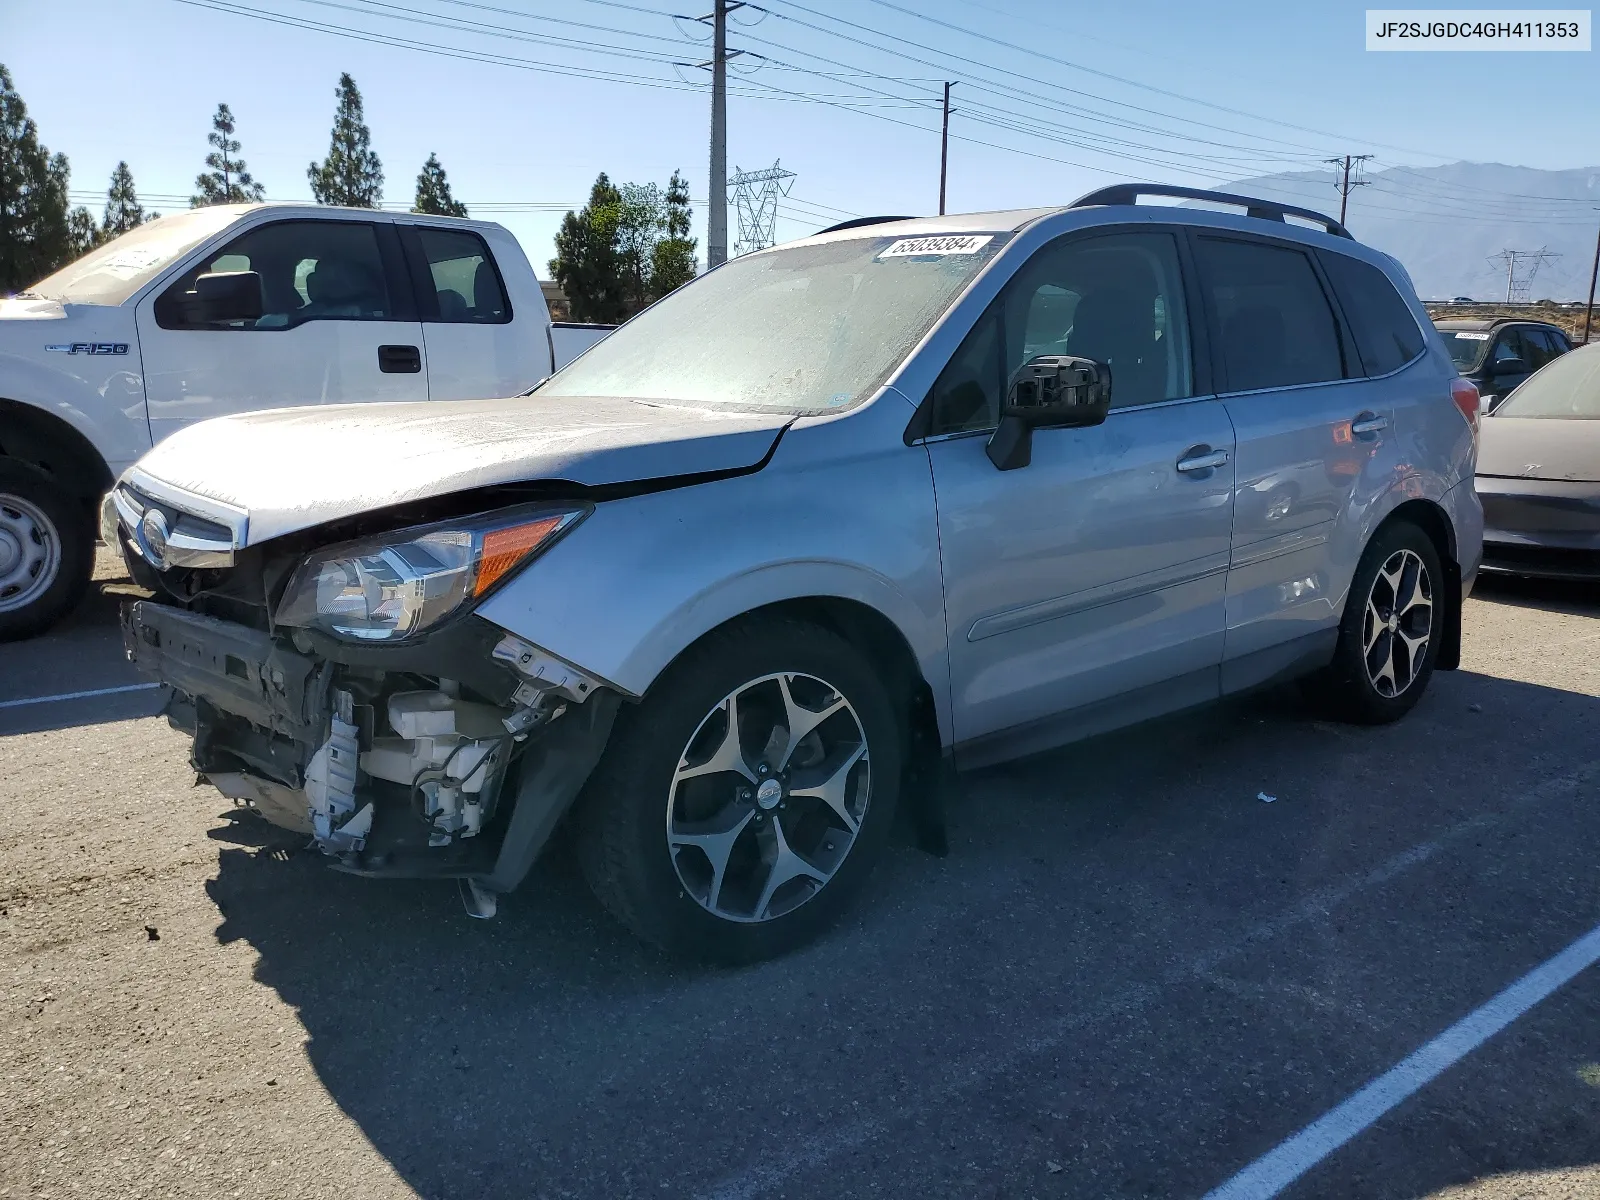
(503, 549)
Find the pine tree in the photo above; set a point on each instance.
(82, 234)
(123, 210)
(673, 263)
(433, 192)
(35, 237)
(587, 264)
(227, 182)
(351, 175)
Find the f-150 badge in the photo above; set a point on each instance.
(89, 348)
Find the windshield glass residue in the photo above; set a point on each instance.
(805, 330)
(1569, 387)
(115, 271)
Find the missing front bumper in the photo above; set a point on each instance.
(279, 730)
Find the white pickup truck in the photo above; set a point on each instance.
(227, 310)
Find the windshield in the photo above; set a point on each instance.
(810, 329)
(115, 271)
(1569, 387)
(1466, 346)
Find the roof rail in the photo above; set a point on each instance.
(1265, 210)
(858, 222)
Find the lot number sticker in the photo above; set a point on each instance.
(959, 243)
(1472, 337)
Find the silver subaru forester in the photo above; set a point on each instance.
(815, 532)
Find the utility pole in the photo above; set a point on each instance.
(717, 184)
(1344, 184)
(944, 146)
(1594, 271)
(717, 187)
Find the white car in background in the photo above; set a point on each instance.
(228, 310)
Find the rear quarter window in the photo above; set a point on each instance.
(1386, 332)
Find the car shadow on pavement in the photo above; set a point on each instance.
(946, 1033)
(1578, 598)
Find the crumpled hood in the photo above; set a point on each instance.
(291, 468)
(1540, 448)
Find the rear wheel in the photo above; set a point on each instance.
(747, 796)
(1393, 625)
(46, 551)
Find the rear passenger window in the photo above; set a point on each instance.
(466, 286)
(1539, 349)
(1386, 332)
(1275, 324)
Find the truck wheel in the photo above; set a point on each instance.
(46, 551)
(747, 796)
(1392, 628)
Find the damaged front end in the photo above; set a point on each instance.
(350, 693)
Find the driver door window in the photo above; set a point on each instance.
(310, 271)
(1117, 299)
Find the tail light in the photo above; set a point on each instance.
(1465, 394)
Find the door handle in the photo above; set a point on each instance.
(1201, 459)
(399, 360)
(1368, 422)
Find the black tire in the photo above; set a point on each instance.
(1347, 687)
(622, 821)
(30, 606)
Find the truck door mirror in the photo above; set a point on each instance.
(224, 296)
(1048, 391)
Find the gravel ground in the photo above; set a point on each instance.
(1131, 977)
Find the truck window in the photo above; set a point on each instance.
(466, 286)
(310, 271)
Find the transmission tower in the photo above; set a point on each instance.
(1520, 267)
(755, 197)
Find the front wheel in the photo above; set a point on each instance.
(46, 551)
(746, 797)
(1390, 635)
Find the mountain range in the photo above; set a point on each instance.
(1449, 224)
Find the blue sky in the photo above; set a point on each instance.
(1068, 95)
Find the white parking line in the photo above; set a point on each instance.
(110, 691)
(1277, 1169)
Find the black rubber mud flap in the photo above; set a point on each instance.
(553, 771)
(1450, 640)
(931, 783)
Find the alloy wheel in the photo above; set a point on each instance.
(30, 553)
(768, 797)
(1399, 622)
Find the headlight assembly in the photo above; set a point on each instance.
(387, 588)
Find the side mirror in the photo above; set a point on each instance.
(1049, 391)
(224, 296)
(1510, 366)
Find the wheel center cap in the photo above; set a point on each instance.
(1394, 623)
(10, 552)
(768, 793)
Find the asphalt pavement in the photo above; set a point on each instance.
(1132, 977)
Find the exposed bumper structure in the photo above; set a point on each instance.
(388, 777)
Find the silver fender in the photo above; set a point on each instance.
(844, 509)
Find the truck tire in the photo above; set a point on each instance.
(1393, 626)
(46, 551)
(709, 828)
